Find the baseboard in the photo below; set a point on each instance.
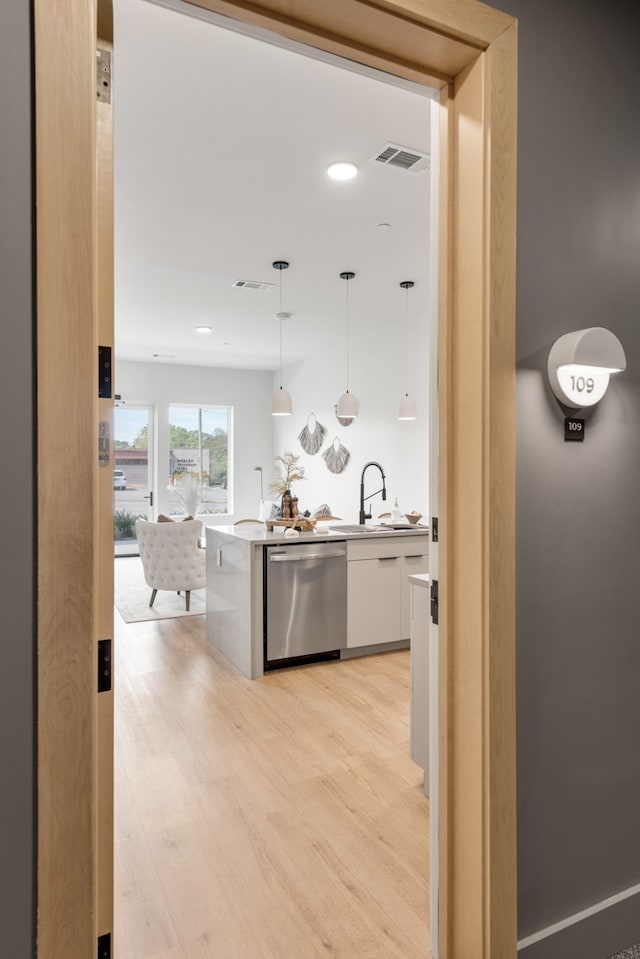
(354, 651)
(598, 932)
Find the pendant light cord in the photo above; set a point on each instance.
(408, 340)
(347, 357)
(346, 276)
(280, 321)
(406, 286)
(280, 265)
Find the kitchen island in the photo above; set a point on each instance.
(378, 564)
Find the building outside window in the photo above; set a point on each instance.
(199, 457)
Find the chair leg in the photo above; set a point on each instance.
(153, 596)
(187, 597)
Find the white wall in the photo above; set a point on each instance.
(378, 373)
(377, 377)
(247, 391)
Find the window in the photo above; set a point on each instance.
(199, 443)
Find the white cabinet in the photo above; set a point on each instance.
(415, 563)
(419, 589)
(378, 607)
(373, 601)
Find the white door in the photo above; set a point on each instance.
(132, 474)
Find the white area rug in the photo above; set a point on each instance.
(132, 595)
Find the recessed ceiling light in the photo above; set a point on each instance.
(384, 226)
(342, 170)
(203, 329)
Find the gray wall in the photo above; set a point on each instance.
(16, 487)
(578, 505)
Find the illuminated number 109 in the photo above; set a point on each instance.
(581, 384)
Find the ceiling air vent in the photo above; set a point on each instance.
(254, 285)
(405, 158)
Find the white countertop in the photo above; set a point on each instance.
(420, 579)
(258, 533)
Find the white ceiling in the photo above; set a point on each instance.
(221, 146)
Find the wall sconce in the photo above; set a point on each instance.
(580, 364)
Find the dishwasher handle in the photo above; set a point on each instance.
(300, 557)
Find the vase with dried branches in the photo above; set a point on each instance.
(285, 472)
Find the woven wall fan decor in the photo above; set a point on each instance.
(312, 435)
(336, 456)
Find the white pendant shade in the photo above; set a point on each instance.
(347, 406)
(407, 409)
(281, 404)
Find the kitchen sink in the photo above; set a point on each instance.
(356, 528)
(382, 528)
(402, 526)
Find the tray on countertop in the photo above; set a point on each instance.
(301, 523)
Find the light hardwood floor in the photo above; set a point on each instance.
(275, 819)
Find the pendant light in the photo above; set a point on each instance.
(407, 409)
(347, 404)
(281, 404)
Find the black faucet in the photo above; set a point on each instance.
(363, 515)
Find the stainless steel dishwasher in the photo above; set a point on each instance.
(305, 616)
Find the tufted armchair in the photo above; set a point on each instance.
(171, 557)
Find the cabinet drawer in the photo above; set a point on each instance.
(365, 548)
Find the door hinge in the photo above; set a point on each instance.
(104, 665)
(103, 75)
(105, 377)
(104, 946)
(434, 529)
(434, 602)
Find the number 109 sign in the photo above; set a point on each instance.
(582, 385)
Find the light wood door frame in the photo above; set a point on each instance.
(104, 580)
(468, 50)
(67, 446)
